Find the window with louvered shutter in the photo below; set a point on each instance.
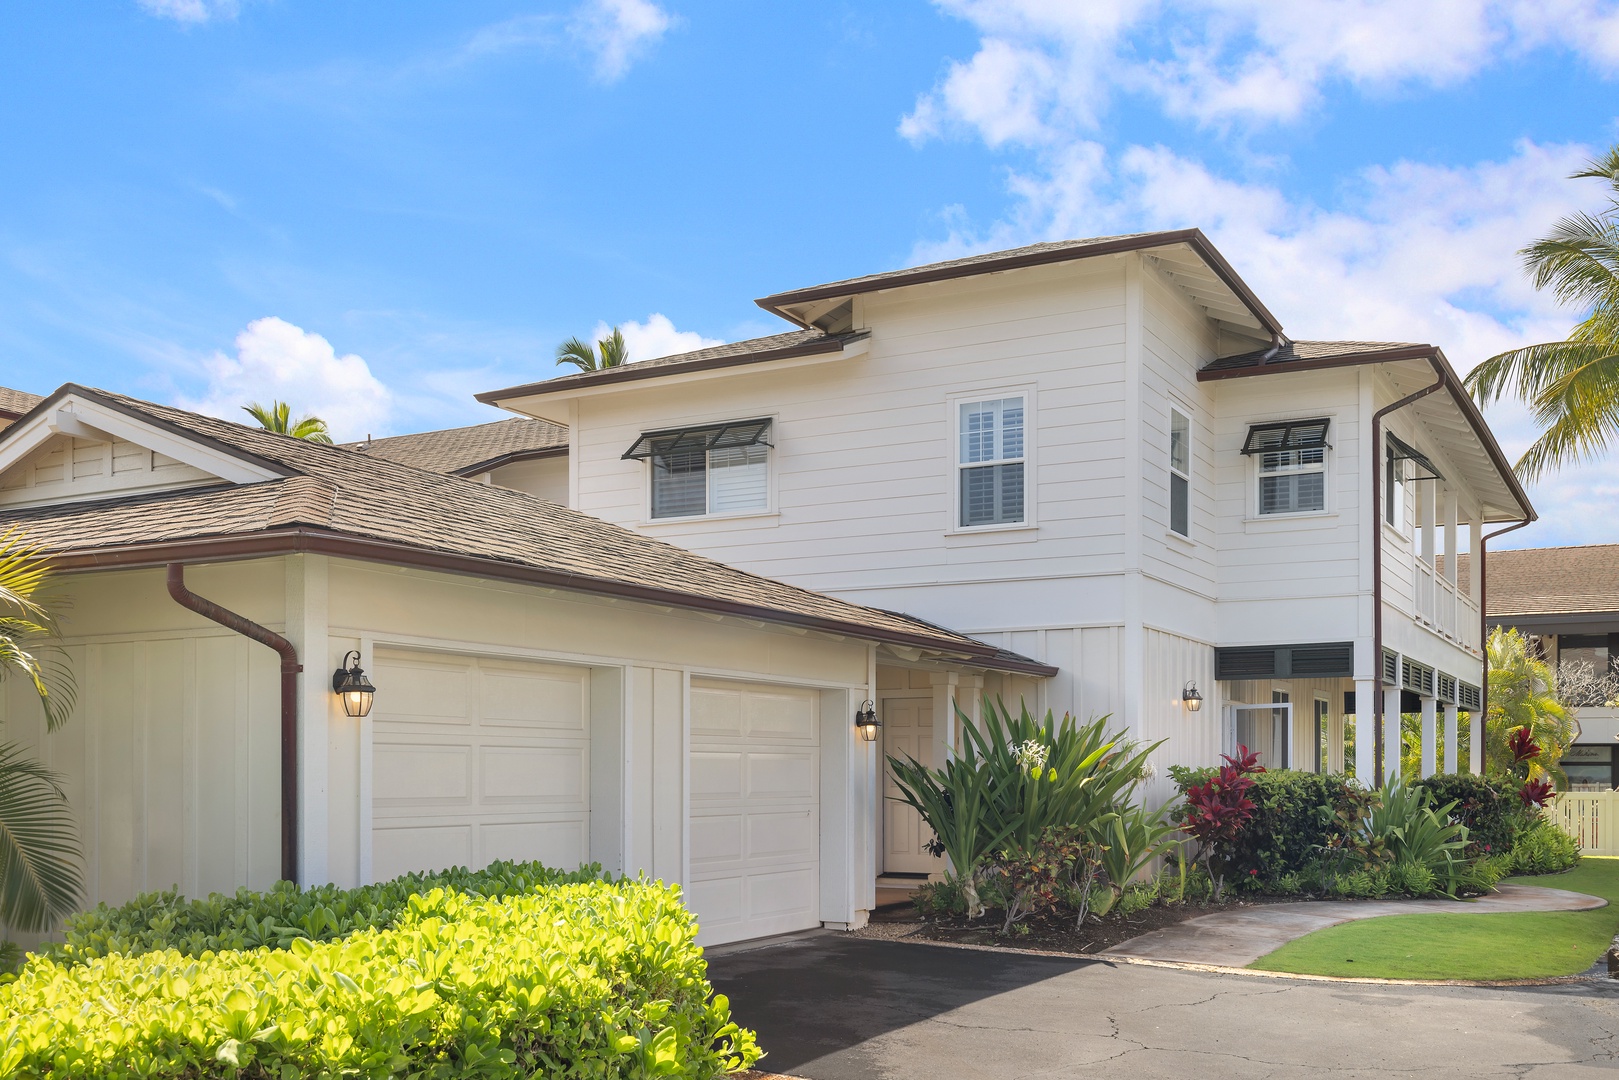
(990, 460)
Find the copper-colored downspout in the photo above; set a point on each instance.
(1377, 561)
(290, 667)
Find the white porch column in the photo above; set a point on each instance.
(1453, 741)
(1475, 748)
(1428, 500)
(1449, 512)
(1365, 733)
(1430, 737)
(1475, 572)
(1391, 732)
(944, 716)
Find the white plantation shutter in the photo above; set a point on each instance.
(991, 461)
(738, 479)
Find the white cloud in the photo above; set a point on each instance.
(656, 337)
(615, 33)
(1050, 65)
(276, 360)
(619, 32)
(190, 11)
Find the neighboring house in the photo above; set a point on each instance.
(522, 454)
(1568, 598)
(13, 403)
(1103, 454)
(547, 685)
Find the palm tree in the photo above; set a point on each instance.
(609, 352)
(1523, 694)
(278, 418)
(1571, 386)
(39, 851)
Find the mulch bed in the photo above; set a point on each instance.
(1048, 933)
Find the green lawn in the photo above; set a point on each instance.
(1527, 945)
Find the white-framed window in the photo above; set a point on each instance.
(709, 469)
(991, 455)
(1290, 466)
(1394, 493)
(1180, 473)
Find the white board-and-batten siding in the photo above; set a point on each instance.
(66, 469)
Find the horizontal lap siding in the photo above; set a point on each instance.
(863, 462)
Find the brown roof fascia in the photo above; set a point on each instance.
(635, 372)
(480, 467)
(312, 541)
(1435, 357)
(1194, 238)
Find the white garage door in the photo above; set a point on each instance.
(477, 759)
(755, 810)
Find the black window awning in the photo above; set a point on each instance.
(1400, 450)
(1287, 435)
(703, 437)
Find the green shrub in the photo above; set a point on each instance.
(282, 914)
(1288, 828)
(935, 898)
(1543, 848)
(584, 980)
(1489, 807)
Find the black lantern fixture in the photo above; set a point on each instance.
(350, 684)
(1191, 698)
(865, 718)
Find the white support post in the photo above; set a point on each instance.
(945, 688)
(1475, 748)
(1391, 732)
(1475, 571)
(1429, 498)
(1365, 734)
(1449, 510)
(1430, 737)
(1453, 741)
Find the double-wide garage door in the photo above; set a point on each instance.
(755, 810)
(476, 759)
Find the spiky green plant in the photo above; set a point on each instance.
(39, 852)
(1524, 694)
(277, 417)
(1571, 386)
(609, 352)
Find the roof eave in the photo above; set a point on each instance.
(478, 468)
(1194, 238)
(285, 541)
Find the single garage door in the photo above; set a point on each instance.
(477, 759)
(755, 810)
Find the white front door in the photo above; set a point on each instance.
(755, 810)
(476, 759)
(1266, 730)
(907, 732)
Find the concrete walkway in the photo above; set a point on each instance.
(1236, 939)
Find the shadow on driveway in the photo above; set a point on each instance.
(822, 997)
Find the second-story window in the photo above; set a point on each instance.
(990, 459)
(1292, 466)
(1180, 473)
(707, 469)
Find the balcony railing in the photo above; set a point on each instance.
(1443, 608)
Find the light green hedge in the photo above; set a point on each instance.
(592, 980)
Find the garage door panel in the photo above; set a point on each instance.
(554, 843)
(543, 700)
(781, 775)
(716, 712)
(531, 774)
(781, 836)
(717, 904)
(423, 692)
(716, 840)
(715, 775)
(419, 773)
(400, 849)
(786, 893)
(779, 716)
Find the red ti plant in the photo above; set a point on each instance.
(1217, 810)
(1536, 792)
(1523, 746)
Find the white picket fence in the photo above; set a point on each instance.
(1591, 817)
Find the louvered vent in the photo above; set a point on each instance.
(1391, 668)
(1417, 678)
(1332, 661)
(1254, 662)
(1447, 688)
(1469, 697)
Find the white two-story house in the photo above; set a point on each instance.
(1105, 455)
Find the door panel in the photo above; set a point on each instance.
(907, 732)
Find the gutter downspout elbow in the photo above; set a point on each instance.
(1377, 559)
(290, 667)
(1276, 343)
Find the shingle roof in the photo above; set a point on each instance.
(1309, 350)
(467, 451)
(751, 351)
(338, 491)
(17, 402)
(1550, 581)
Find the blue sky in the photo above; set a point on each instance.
(377, 209)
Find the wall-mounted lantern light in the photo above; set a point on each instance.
(865, 718)
(1191, 698)
(350, 684)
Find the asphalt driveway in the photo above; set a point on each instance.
(829, 1007)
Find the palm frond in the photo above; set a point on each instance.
(613, 351)
(1578, 260)
(311, 429)
(1605, 167)
(40, 878)
(578, 352)
(28, 630)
